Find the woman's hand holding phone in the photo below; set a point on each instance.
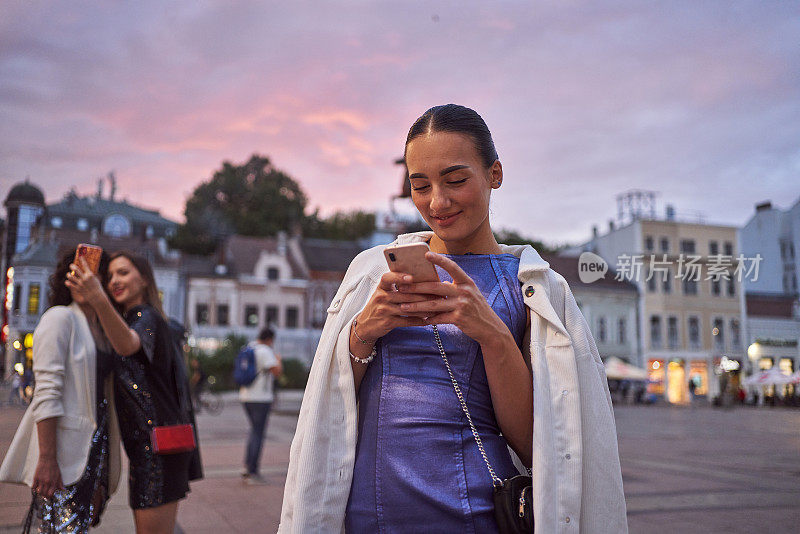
(82, 281)
(459, 303)
(383, 312)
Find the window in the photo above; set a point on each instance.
(717, 333)
(222, 315)
(33, 299)
(736, 342)
(716, 287)
(251, 315)
(655, 332)
(687, 246)
(666, 284)
(201, 314)
(56, 222)
(713, 248)
(272, 273)
(116, 226)
(601, 329)
(649, 245)
(672, 332)
(694, 332)
(689, 286)
(664, 244)
(149, 232)
(82, 224)
(26, 218)
(621, 333)
(292, 317)
(319, 309)
(17, 297)
(728, 248)
(271, 316)
(651, 283)
(731, 282)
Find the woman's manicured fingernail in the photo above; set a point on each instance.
(407, 278)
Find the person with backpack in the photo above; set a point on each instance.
(257, 365)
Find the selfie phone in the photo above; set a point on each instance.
(410, 259)
(91, 253)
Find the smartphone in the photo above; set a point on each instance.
(410, 259)
(91, 253)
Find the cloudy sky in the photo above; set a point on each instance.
(699, 101)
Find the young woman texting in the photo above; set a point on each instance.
(384, 443)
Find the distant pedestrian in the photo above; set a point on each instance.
(257, 398)
(15, 393)
(26, 388)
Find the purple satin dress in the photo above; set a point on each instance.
(417, 465)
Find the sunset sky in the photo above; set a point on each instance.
(699, 101)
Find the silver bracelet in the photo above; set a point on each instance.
(368, 359)
(355, 323)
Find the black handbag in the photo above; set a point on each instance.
(513, 497)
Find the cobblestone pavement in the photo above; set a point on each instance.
(685, 471)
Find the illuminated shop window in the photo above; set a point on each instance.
(33, 299)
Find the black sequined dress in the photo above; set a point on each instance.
(146, 395)
(80, 505)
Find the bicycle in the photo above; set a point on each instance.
(210, 402)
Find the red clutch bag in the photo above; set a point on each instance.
(172, 439)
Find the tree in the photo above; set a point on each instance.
(253, 199)
(512, 237)
(349, 226)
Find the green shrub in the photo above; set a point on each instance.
(218, 365)
(295, 374)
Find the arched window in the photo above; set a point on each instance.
(116, 226)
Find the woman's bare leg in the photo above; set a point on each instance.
(158, 520)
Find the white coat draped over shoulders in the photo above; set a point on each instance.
(64, 367)
(576, 472)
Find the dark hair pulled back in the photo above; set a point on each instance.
(457, 119)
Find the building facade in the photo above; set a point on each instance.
(56, 231)
(773, 308)
(610, 307)
(691, 304)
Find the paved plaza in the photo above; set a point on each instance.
(685, 471)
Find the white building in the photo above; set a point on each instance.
(773, 310)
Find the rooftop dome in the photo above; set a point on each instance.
(25, 193)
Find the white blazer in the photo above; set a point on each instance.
(576, 471)
(64, 365)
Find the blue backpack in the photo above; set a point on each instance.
(244, 368)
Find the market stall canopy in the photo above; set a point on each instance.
(770, 377)
(617, 369)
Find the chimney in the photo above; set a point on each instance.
(611, 225)
(764, 206)
(100, 189)
(112, 180)
(669, 212)
(594, 230)
(282, 243)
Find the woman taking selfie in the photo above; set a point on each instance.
(151, 389)
(67, 445)
(419, 391)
